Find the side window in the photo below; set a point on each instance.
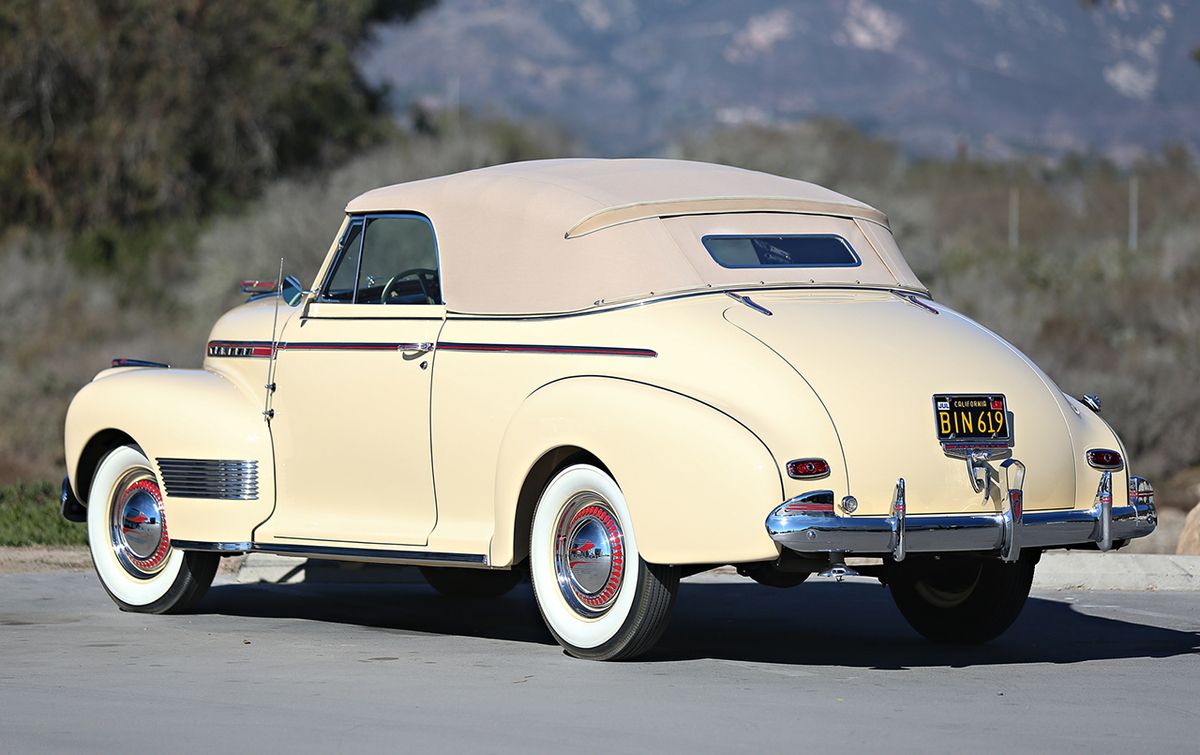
(399, 262)
(341, 282)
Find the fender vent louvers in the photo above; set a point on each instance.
(224, 479)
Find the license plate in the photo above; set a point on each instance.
(971, 417)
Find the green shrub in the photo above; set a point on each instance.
(29, 515)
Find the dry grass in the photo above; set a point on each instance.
(1097, 317)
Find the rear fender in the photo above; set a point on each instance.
(696, 481)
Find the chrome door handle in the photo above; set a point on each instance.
(420, 348)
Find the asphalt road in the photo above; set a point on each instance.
(324, 668)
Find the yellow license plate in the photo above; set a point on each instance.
(971, 417)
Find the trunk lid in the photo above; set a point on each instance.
(876, 361)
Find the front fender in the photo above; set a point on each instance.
(171, 413)
(696, 480)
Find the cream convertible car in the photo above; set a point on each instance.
(607, 374)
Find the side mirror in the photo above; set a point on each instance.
(293, 293)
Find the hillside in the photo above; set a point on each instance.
(996, 76)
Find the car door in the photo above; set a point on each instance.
(351, 403)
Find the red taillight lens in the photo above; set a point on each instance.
(1103, 458)
(807, 469)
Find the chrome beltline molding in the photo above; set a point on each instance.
(262, 349)
(615, 305)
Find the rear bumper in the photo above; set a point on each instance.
(1003, 533)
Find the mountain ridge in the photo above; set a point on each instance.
(995, 76)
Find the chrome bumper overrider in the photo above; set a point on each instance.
(807, 524)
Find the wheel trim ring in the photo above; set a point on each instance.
(588, 520)
(135, 492)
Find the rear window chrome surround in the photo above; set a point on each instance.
(854, 261)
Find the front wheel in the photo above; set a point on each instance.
(599, 598)
(130, 547)
(961, 599)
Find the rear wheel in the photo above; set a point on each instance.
(130, 547)
(600, 600)
(960, 599)
(471, 583)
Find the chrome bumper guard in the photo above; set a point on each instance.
(807, 524)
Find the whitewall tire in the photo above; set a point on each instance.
(600, 600)
(130, 544)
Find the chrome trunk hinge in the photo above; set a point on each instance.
(749, 303)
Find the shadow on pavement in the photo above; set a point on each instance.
(852, 625)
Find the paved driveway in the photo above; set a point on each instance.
(315, 667)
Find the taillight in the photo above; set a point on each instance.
(807, 469)
(1103, 458)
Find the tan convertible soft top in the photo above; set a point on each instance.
(564, 235)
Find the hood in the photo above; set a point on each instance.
(876, 360)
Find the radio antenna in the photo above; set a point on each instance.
(268, 412)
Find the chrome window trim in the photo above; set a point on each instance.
(323, 289)
(362, 219)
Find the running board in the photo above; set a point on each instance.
(366, 555)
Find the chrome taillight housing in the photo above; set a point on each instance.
(808, 469)
(1106, 459)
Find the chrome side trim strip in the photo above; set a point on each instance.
(262, 349)
(524, 348)
(370, 554)
(217, 479)
(196, 545)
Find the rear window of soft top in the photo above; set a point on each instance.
(759, 250)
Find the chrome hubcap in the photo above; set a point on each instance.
(138, 527)
(589, 555)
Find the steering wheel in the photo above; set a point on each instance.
(426, 278)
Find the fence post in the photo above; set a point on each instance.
(1014, 217)
(1133, 213)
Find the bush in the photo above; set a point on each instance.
(29, 515)
(137, 111)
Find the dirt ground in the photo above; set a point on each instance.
(43, 559)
